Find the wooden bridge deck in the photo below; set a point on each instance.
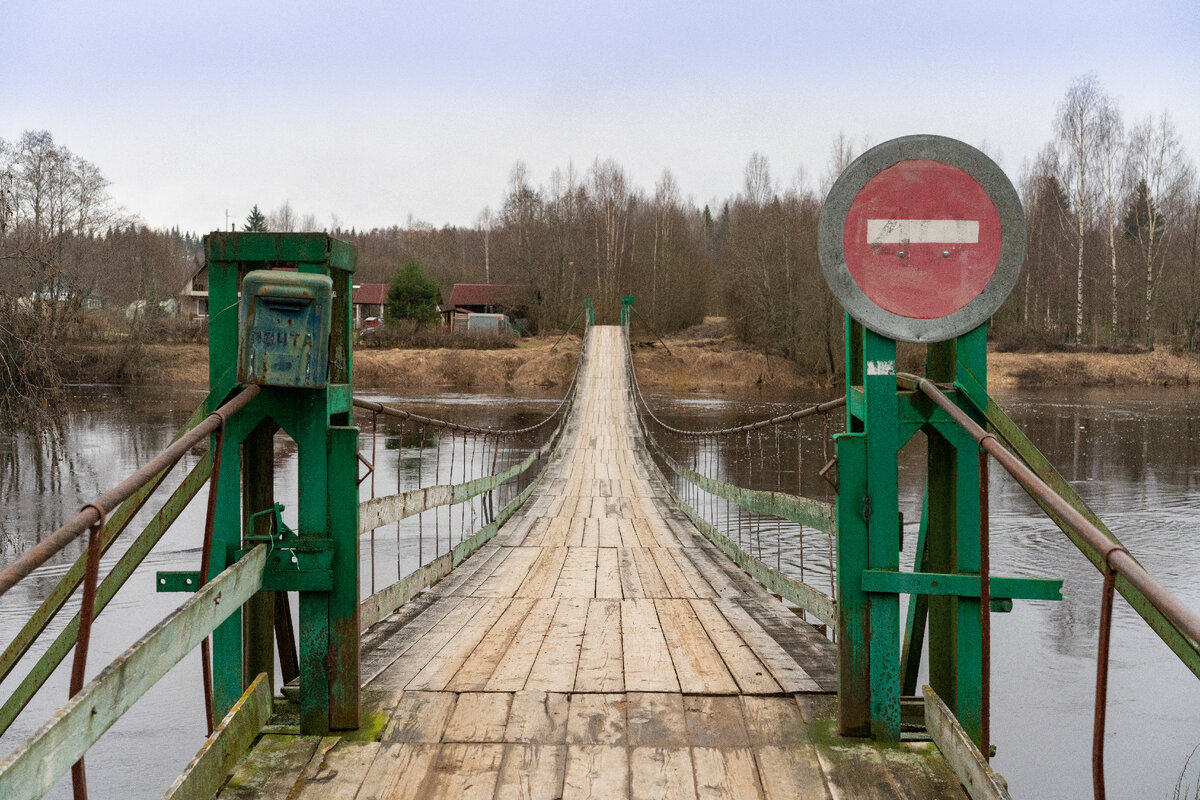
(598, 647)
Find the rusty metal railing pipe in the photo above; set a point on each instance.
(1185, 620)
(34, 557)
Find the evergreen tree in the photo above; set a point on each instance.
(255, 220)
(411, 296)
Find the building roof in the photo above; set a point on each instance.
(370, 294)
(489, 294)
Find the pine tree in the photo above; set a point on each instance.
(255, 220)
(411, 296)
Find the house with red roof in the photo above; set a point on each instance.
(369, 300)
(485, 298)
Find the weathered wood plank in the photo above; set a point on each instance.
(596, 772)
(698, 665)
(726, 773)
(479, 717)
(980, 780)
(538, 718)
(399, 771)
(512, 671)
(420, 717)
(661, 773)
(272, 768)
(532, 772)
(648, 665)
(205, 773)
(557, 660)
(596, 719)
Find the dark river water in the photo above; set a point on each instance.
(1130, 454)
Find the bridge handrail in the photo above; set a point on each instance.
(1110, 551)
(92, 513)
(34, 767)
(379, 511)
(794, 508)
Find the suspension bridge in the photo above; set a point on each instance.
(614, 620)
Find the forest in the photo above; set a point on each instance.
(1113, 257)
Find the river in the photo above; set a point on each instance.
(1129, 453)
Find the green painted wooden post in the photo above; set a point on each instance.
(590, 307)
(883, 523)
(319, 420)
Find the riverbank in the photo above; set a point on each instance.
(692, 364)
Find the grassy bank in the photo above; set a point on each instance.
(705, 359)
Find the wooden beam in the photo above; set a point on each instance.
(969, 765)
(206, 773)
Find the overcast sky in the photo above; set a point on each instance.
(376, 111)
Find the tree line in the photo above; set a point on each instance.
(1113, 257)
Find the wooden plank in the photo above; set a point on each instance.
(400, 673)
(791, 773)
(505, 581)
(449, 659)
(478, 667)
(656, 719)
(537, 718)
(774, 721)
(205, 773)
(698, 666)
(648, 665)
(596, 772)
(751, 675)
(714, 721)
(608, 532)
(544, 574)
(589, 535)
(399, 770)
(726, 774)
(653, 584)
(661, 773)
(698, 583)
(596, 719)
(801, 640)
(677, 585)
(608, 574)
(512, 671)
(532, 772)
(337, 773)
(479, 717)
(980, 780)
(631, 580)
(270, 770)
(420, 717)
(787, 673)
(38, 763)
(601, 665)
(557, 660)
(578, 577)
(403, 633)
(464, 772)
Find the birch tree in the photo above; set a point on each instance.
(1164, 175)
(1110, 163)
(1078, 131)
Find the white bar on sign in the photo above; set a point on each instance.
(922, 231)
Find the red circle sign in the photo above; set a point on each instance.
(922, 239)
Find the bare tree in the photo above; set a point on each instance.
(1078, 131)
(282, 219)
(1110, 162)
(1164, 176)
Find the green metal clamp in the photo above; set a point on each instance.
(294, 564)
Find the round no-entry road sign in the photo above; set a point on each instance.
(921, 238)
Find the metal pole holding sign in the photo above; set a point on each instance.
(921, 239)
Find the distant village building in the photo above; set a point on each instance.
(511, 300)
(193, 297)
(369, 300)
